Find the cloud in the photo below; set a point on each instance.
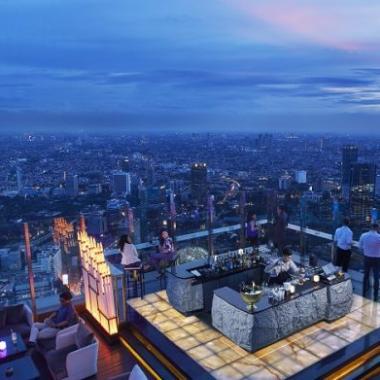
(343, 25)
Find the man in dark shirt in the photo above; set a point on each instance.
(63, 317)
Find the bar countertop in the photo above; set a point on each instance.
(233, 297)
(183, 271)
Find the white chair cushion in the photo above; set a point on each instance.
(137, 374)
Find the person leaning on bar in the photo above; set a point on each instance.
(280, 270)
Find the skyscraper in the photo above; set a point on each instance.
(199, 185)
(20, 184)
(349, 158)
(284, 182)
(125, 164)
(362, 194)
(121, 183)
(301, 176)
(72, 185)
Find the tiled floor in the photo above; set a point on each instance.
(225, 360)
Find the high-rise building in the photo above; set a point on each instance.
(121, 182)
(349, 158)
(377, 186)
(94, 188)
(96, 221)
(362, 191)
(20, 184)
(199, 185)
(125, 165)
(284, 182)
(66, 261)
(72, 185)
(301, 176)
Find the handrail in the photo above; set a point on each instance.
(236, 227)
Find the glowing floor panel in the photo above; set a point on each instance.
(225, 360)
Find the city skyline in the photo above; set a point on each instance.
(189, 66)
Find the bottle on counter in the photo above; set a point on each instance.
(13, 337)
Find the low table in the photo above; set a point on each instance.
(13, 350)
(23, 369)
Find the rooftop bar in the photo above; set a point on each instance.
(212, 286)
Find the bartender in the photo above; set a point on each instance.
(280, 270)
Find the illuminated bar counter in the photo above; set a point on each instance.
(190, 286)
(270, 322)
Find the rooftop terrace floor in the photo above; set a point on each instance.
(220, 358)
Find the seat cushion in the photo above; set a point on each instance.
(56, 361)
(15, 314)
(3, 318)
(22, 328)
(83, 336)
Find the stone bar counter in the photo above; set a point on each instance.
(270, 322)
(190, 286)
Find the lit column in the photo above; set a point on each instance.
(98, 284)
(173, 214)
(28, 252)
(210, 222)
(243, 218)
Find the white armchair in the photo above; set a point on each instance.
(70, 362)
(65, 337)
(83, 362)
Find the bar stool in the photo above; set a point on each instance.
(138, 281)
(170, 263)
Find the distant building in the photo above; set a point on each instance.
(72, 185)
(301, 176)
(349, 158)
(377, 186)
(67, 259)
(95, 188)
(125, 165)
(121, 183)
(10, 260)
(284, 182)
(117, 216)
(362, 191)
(20, 184)
(199, 183)
(264, 141)
(96, 222)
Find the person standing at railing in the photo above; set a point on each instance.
(343, 241)
(165, 252)
(129, 255)
(369, 244)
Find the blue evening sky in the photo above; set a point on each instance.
(190, 65)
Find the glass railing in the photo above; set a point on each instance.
(55, 261)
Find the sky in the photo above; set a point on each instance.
(190, 65)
